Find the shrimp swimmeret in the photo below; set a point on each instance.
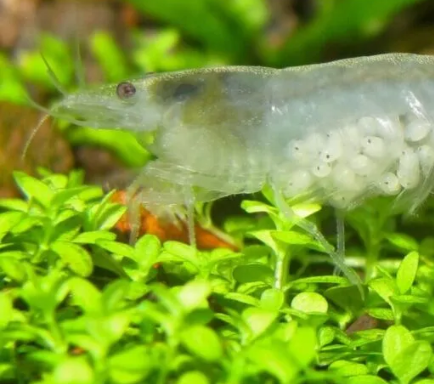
(334, 133)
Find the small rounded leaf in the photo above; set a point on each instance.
(310, 302)
(193, 377)
(73, 371)
(6, 309)
(202, 342)
(411, 361)
(396, 339)
(75, 256)
(365, 379)
(193, 295)
(407, 272)
(272, 299)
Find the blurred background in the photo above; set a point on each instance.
(108, 41)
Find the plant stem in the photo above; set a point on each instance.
(281, 270)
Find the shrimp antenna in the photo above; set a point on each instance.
(33, 134)
(53, 76)
(37, 106)
(78, 61)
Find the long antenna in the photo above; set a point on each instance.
(78, 61)
(80, 74)
(53, 76)
(32, 135)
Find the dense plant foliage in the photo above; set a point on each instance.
(78, 305)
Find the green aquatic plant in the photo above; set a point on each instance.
(79, 306)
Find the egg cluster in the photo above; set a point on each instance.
(371, 155)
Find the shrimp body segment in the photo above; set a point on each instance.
(334, 132)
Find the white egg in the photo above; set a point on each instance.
(314, 142)
(389, 184)
(342, 200)
(408, 171)
(299, 151)
(369, 126)
(299, 182)
(426, 158)
(321, 170)
(345, 178)
(417, 130)
(361, 164)
(332, 148)
(373, 146)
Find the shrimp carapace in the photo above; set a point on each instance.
(334, 133)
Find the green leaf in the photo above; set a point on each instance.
(93, 236)
(114, 294)
(273, 357)
(384, 287)
(108, 215)
(381, 313)
(123, 144)
(34, 188)
(67, 229)
(403, 241)
(272, 299)
(258, 320)
(116, 248)
(396, 339)
(293, 237)
(73, 370)
(321, 279)
(407, 272)
(310, 302)
(85, 295)
(110, 56)
(251, 206)
(341, 21)
(193, 377)
(410, 299)
(181, 250)
(75, 256)
(411, 361)
(57, 53)
(63, 196)
(200, 20)
(326, 335)
(14, 204)
(365, 379)
(8, 220)
(55, 181)
(202, 342)
(194, 294)
(243, 298)
(13, 268)
(6, 309)
(106, 261)
(348, 368)
(253, 272)
(130, 366)
(303, 346)
(146, 251)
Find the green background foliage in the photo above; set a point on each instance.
(78, 305)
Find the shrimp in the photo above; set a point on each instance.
(334, 133)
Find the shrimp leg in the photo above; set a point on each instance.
(340, 235)
(169, 191)
(312, 229)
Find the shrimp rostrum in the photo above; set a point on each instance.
(334, 133)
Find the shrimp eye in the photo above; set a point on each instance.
(184, 90)
(125, 90)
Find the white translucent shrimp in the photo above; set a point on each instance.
(334, 133)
